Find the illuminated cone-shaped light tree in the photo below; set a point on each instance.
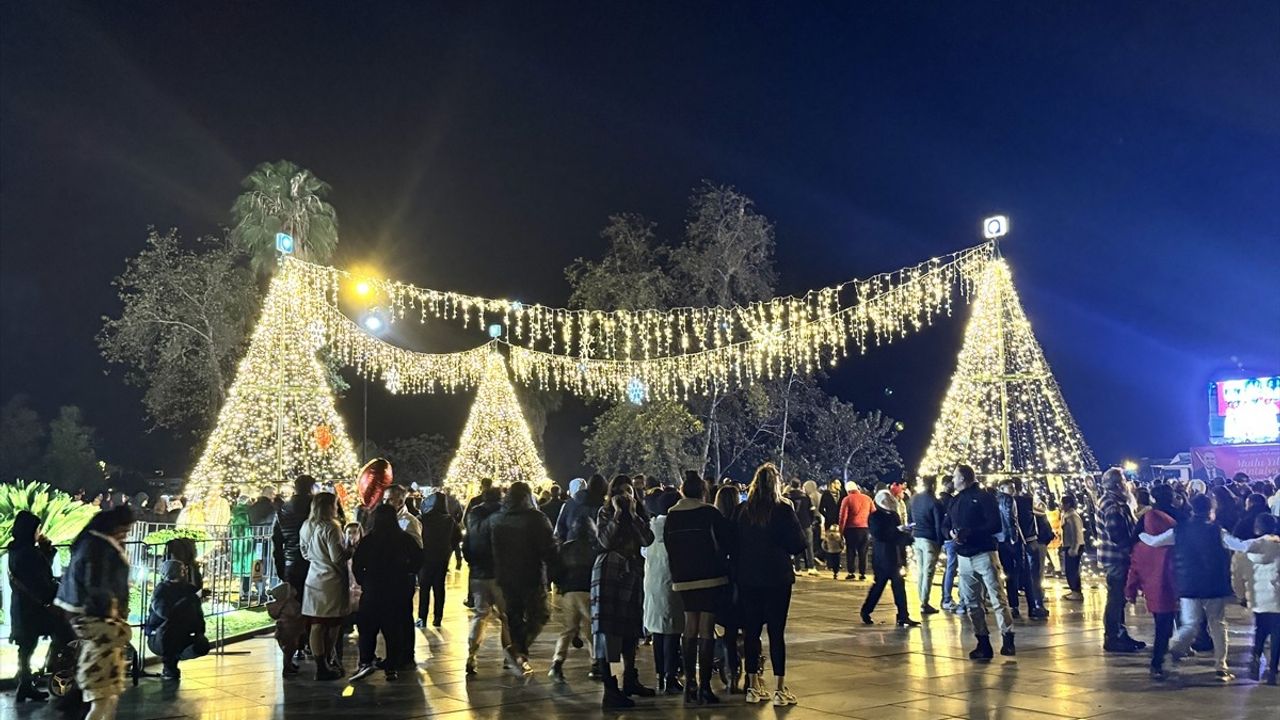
(279, 418)
(1003, 413)
(496, 442)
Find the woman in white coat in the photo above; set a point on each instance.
(663, 611)
(325, 602)
(1258, 581)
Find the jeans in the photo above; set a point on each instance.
(575, 619)
(489, 605)
(1164, 631)
(666, 655)
(766, 606)
(949, 573)
(1267, 625)
(526, 614)
(1033, 575)
(978, 573)
(855, 543)
(1013, 558)
(926, 565)
(1071, 567)
(1113, 612)
(899, 588)
(805, 558)
(1193, 610)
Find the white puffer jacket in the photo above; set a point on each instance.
(1259, 578)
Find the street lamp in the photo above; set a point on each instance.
(374, 324)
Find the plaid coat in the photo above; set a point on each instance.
(617, 578)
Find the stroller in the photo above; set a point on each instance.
(59, 671)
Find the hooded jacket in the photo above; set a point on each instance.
(855, 510)
(522, 547)
(1260, 583)
(1152, 568)
(477, 545)
(582, 504)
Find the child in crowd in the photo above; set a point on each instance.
(1260, 586)
(1072, 546)
(286, 610)
(175, 620)
(832, 546)
(354, 534)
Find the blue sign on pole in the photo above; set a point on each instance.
(284, 243)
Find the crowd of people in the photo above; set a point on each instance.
(699, 570)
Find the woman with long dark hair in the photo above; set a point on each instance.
(32, 588)
(324, 603)
(95, 592)
(768, 534)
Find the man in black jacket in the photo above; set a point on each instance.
(1032, 568)
(805, 514)
(1013, 547)
(973, 521)
(286, 550)
(523, 548)
(928, 516)
(485, 597)
(441, 534)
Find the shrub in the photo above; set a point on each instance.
(63, 516)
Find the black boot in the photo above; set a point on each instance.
(599, 670)
(631, 684)
(984, 650)
(614, 699)
(1007, 648)
(671, 684)
(27, 690)
(706, 650)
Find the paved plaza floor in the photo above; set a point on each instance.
(838, 668)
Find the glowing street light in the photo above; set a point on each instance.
(373, 323)
(363, 288)
(996, 226)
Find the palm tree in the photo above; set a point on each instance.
(282, 197)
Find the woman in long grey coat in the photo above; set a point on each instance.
(663, 611)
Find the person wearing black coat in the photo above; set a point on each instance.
(803, 506)
(285, 535)
(383, 564)
(33, 588)
(477, 548)
(829, 505)
(888, 556)
(927, 518)
(973, 522)
(523, 549)
(1013, 546)
(1032, 565)
(617, 594)
(175, 621)
(571, 575)
(441, 535)
(584, 503)
(768, 534)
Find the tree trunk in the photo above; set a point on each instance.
(711, 428)
(786, 410)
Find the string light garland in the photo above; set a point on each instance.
(1003, 413)
(279, 418)
(651, 334)
(496, 442)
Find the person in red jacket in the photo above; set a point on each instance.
(855, 512)
(1151, 570)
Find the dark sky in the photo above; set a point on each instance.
(481, 146)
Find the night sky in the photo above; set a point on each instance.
(481, 147)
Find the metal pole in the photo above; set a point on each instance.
(364, 444)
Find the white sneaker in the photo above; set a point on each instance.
(756, 693)
(784, 697)
(813, 572)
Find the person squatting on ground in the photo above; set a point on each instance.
(663, 612)
(484, 593)
(888, 558)
(95, 594)
(855, 511)
(523, 549)
(973, 522)
(175, 620)
(383, 564)
(617, 594)
(325, 602)
(768, 534)
(699, 540)
(927, 518)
